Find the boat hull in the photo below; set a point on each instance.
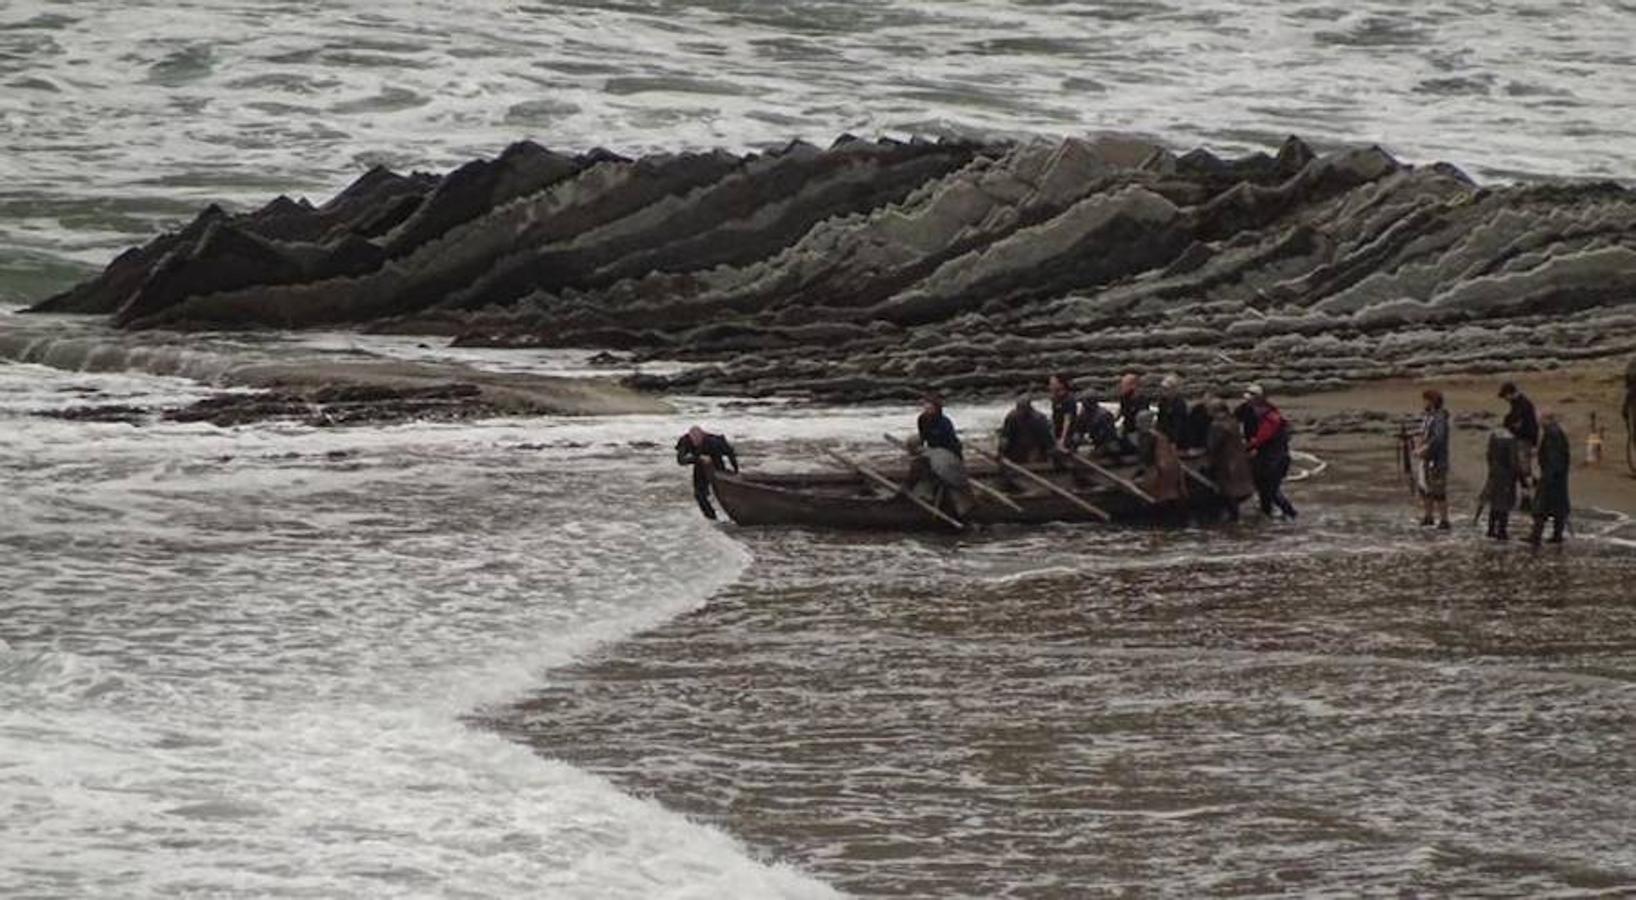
(848, 502)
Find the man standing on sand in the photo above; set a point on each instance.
(1521, 421)
(1269, 452)
(1433, 453)
(704, 451)
(1551, 501)
(1504, 465)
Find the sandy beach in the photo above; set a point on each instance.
(1331, 425)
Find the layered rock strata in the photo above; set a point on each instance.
(876, 269)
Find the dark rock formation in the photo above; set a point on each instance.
(873, 269)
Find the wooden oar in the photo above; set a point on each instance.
(1124, 483)
(1045, 483)
(895, 488)
(1200, 477)
(976, 485)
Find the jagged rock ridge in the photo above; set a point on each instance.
(874, 269)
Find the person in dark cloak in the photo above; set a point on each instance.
(1196, 434)
(1500, 490)
(1026, 435)
(1551, 497)
(704, 451)
(1269, 452)
(1523, 423)
(1160, 472)
(1227, 462)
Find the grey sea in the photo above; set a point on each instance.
(508, 658)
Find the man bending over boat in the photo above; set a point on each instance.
(939, 460)
(704, 451)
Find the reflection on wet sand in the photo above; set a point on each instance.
(1334, 706)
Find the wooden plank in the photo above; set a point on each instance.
(1118, 481)
(1200, 477)
(1045, 483)
(895, 488)
(976, 485)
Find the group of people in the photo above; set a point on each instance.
(1244, 450)
(1528, 458)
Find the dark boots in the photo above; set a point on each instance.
(1557, 524)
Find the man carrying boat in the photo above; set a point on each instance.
(1172, 418)
(1131, 403)
(1026, 435)
(1269, 452)
(1161, 470)
(1228, 461)
(1064, 412)
(939, 460)
(704, 451)
(1098, 428)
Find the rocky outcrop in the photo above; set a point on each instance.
(875, 269)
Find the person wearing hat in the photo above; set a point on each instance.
(1269, 452)
(1433, 452)
(704, 452)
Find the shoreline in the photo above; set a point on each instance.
(1361, 422)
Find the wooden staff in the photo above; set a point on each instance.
(1200, 477)
(1124, 483)
(1042, 482)
(896, 489)
(976, 485)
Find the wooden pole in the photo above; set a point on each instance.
(1200, 477)
(1124, 483)
(976, 485)
(1045, 483)
(895, 488)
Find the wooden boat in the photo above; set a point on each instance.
(849, 500)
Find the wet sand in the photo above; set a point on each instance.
(1574, 393)
(1346, 704)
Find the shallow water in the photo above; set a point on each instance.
(506, 658)
(1333, 707)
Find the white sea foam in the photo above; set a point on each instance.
(118, 115)
(238, 661)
